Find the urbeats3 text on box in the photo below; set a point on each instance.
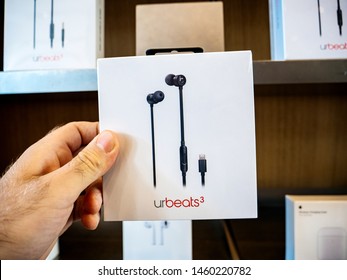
(187, 136)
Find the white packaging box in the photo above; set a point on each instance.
(316, 227)
(47, 34)
(157, 240)
(180, 25)
(308, 29)
(219, 124)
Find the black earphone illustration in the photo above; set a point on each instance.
(51, 26)
(339, 17)
(158, 96)
(179, 81)
(319, 19)
(34, 26)
(154, 98)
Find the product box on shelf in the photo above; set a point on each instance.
(157, 240)
(48, 34)
(187, 135)
(180, 25)
(316, 227)
(309, 29)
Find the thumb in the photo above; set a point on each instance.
(89, 164)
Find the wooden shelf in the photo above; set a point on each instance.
(47, 81)
(265, 73)
(300, 72)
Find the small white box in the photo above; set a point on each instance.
(308, 29)
(53, 34)
(157, 240)
(180, 25)
(316, 227)
(218, 125)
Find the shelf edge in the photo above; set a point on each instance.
(48, 81)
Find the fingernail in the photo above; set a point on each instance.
(106, 141)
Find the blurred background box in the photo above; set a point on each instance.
(48, 34)
(310, 29)
(316, 227)
(180, 25)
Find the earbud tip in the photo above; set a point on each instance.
(154, 98)
(159, 96)
(169, 79)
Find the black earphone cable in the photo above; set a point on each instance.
(319, 19)
(34, 27)
(153, 148)
(183, 147)
(51, 26)
(339, 17)
(154, 98)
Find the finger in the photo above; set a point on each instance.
(79, 134)
(57, 148)
(89, 216)
(89, 165)
(93, 198)
(67, 140)
(87, 207)
(90, 202)
(90, 221)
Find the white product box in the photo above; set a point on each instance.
(210, 117)
(180, 25)
(316, 227)
(157, 240)
(48, 34)
(308, 29)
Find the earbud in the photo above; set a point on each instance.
(175, 80)
(154, 98)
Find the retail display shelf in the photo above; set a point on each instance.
(300, 72)
(46, 81)
(265, 73)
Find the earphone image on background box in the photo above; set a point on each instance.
(51, 27)
(339, 17)
(338, 14)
